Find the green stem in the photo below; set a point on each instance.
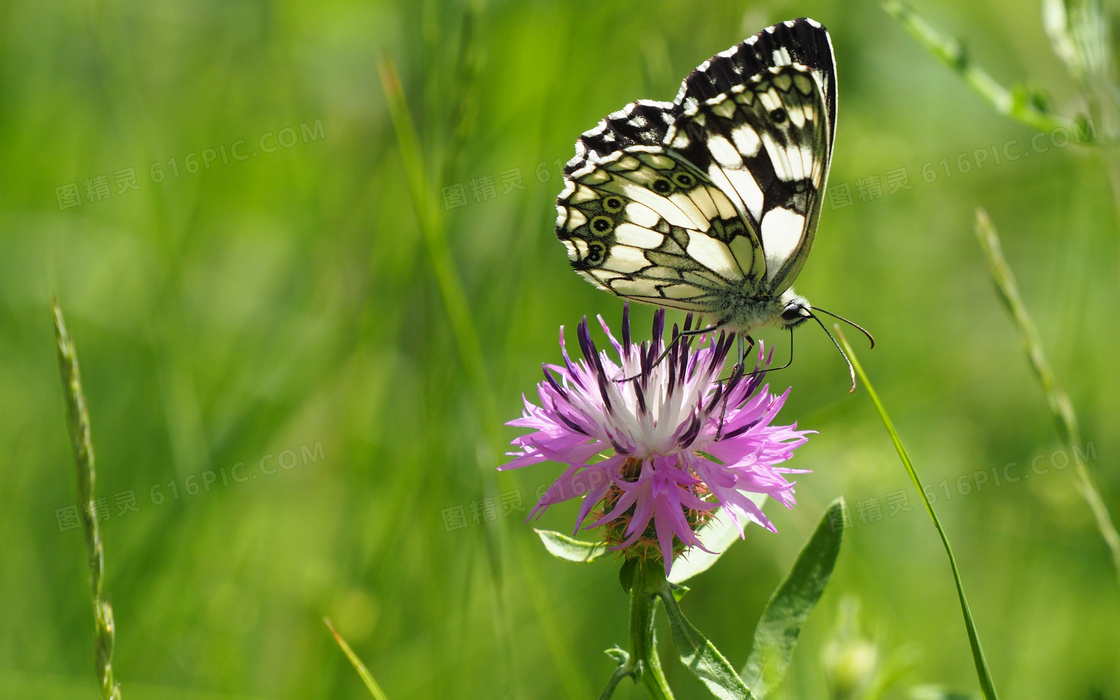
(987, 686)
(355, 661)
(949, 51)
(624, 671)
(643, 645)
(77, 418)
(1061, 408)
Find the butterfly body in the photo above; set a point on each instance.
(710, 203)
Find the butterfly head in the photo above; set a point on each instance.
(795, 310)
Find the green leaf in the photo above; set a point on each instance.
(717, 535)
(569, 548)
(699, 655)
(618, 655)
(987, 685)
(678, 590)
(775, 637)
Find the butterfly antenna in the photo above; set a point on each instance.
(853, 324)
(851, 370)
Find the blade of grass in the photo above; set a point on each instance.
(433, 228)
(1016, 103)
(77, 418)
(367, 677)
(434, 231)
(1065, 419)
(987, 687)
(454, 298)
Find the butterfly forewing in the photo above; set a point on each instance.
(799, 41)
(765, 143)
(641, 123)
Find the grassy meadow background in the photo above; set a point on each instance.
(283, 314)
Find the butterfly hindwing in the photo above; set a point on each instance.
(646, 225)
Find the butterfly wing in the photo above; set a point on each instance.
(800, 41)
(647, 225)
(641, 123)
(679, 203)
(766, 143)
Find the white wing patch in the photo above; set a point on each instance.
(697, 219)
(746, 140)
(719, 179)
(634, 235)
(642, 215)
(748, 190)
(702, 198)
(724, 153)
(575, 219)
(723, 203)
(627, 259)
(664, 208)
(714, 255)
(781, 235)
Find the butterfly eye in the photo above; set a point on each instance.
(778, 116)
(613, 204)
(684, 179)
(661, 186)
(601, 224)
(793, 314)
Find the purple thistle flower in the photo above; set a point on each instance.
(658, 443)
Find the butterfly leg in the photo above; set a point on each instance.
(744, 349)
(743, 352)
(790, 361)
(736, 370)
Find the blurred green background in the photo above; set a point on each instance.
(256, 298)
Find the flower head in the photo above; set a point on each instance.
(657, 443)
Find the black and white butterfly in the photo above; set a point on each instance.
(710, 203)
